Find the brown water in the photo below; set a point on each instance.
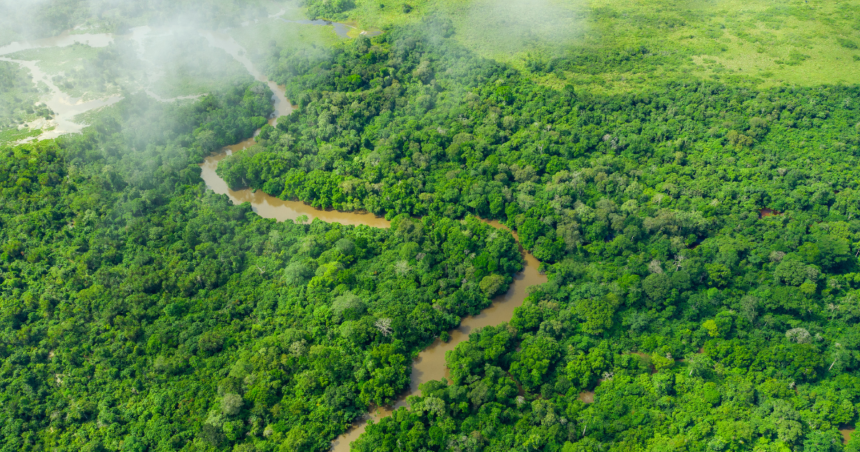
(430, 363)
(846, 431)
(229, 45)
(271, 207)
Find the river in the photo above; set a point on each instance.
(66, 108)
(430, 363)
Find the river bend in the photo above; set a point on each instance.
(430, 363)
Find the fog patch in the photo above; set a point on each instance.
(502, 28)
(92, 57)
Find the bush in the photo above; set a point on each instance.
(327, 9)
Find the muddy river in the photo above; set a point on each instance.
(430, 363)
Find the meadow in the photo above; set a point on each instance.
(628, 45)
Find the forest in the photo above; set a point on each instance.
(125, 311)
(700, 237)
(702, 232)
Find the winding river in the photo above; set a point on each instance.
(430, 363)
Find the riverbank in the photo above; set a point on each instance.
(430, 363)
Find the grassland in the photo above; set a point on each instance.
(12, 135)
(756, 41)
(259, 38)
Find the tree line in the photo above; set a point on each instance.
(702, 240)
(141, 311)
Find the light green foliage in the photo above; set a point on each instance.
(534, 361)
(19, 102)
(492, 284)
(616, 46)
(327, 9)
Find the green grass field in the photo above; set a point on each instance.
(257, 38)
(756, 41)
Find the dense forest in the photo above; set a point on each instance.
(141, 312)
(702, 237)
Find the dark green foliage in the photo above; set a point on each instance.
(847, 43)
(701, 241)
(141, 312)
(413, 124)
(709, 222)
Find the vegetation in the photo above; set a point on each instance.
(33, 20)
(79, 70)
(121, 302)
(178, 63)
(261, 39)
(19, 100)
(714, 222)
(685, 173)
(327, 9)
(791, 43)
